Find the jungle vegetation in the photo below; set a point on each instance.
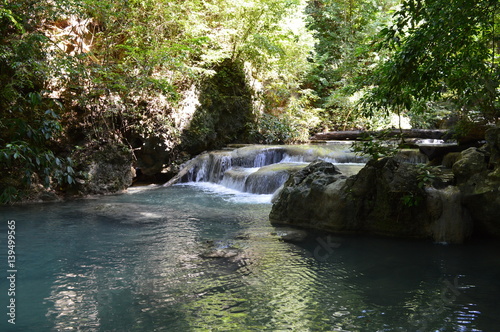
(76, 75)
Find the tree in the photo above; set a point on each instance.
(29, 118)
(80, 74)
(271, 40)
(443, 51)
(346, 31)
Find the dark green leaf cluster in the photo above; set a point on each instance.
(443, 51)
(275, 130)
(376, 145)
(28, 119)
(346, 31)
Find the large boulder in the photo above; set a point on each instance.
(313, 197)
(470, 168)
(388, 197)
(385, 198)
(477, 172)
(107, 169)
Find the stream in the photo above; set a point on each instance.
(198, 256)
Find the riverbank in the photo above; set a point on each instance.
(391, 198)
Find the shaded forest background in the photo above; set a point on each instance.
(89, 89)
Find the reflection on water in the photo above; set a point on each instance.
(134, 263)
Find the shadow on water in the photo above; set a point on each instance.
(186, 258)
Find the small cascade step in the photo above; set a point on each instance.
(262, 169)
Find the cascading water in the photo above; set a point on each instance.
(452, 222)
(262, 169)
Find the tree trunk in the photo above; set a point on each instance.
(357, 134)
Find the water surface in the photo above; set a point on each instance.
(134, 262)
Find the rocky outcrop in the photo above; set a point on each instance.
(384, 198)
(107, 169)
(477, 172)
(313, 197)
(224, 112)
(389, 197)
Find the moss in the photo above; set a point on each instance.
(224, 112)
(103, 168)
(282, 167)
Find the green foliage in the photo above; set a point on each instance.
(29, 122)
(345, 32)
(430, 114)
(411, 199)
(425, 176)
(275, 130)
(291, 117)
(225, 110)
(27, 157)
(85, 72)
(375, 145)
(443, 51)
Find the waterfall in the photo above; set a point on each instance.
(267, 179)
(236, 178)
(268, 157)
(260, 169)
(209, 167)
(452, 223)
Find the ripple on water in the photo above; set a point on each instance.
(89, 265)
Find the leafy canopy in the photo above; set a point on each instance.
(443, 51)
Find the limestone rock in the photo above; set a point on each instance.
(493, 145)
(384, 198)
(303, 201)
(478, 177)
(290, 234)
(470, 165)
(108, 170)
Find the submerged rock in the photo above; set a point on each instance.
(220, 253)
(290, 234)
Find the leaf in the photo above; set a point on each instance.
(8, 13)
(35, 98)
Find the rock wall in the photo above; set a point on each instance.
(384, 198)
(223, 112)
(107, 169)
(477, 173)
(388, 197)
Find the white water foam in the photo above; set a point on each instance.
(230, 195)
(138, 189)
